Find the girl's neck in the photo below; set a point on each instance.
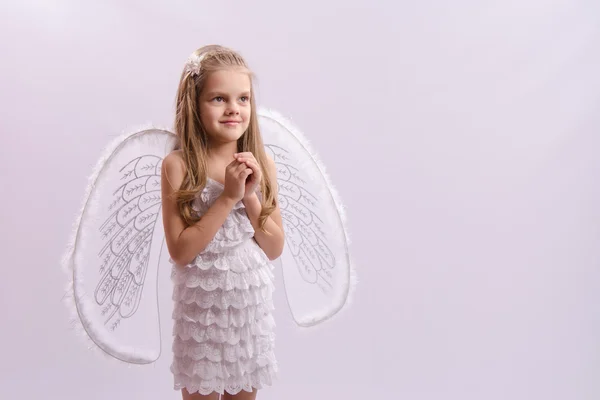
(222, 151)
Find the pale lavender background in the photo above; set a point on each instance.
(463, 137)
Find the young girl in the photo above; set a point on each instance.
(222, 227)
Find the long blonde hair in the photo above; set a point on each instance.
(193, 139)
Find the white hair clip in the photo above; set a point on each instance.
(194, 64)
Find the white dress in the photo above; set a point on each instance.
(223, 323)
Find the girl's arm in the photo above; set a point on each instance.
(271, 241)
(186, 242)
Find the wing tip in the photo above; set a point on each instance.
(77, 324)
(326, 315)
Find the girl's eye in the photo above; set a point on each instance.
(218, 98)
(245, 98)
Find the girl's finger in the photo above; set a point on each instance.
(253, 165)
(239, 169)
(233, 164)
(243, 157)
(245, 173)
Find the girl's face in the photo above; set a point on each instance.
(225, 105)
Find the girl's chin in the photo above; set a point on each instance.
(227, 135)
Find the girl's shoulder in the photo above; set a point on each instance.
(174, 157)
(173, 164)
(175, 153)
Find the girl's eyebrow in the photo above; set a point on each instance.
(216, 93)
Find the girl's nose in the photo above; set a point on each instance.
(232, 109)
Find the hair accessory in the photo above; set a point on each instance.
(194, 64)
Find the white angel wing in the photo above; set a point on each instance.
(317, 270)
(116, 247)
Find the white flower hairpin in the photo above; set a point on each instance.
(194, 64)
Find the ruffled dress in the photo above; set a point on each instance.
(223, 333)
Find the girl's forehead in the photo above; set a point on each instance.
(228, 80)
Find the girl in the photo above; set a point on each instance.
(222, 228)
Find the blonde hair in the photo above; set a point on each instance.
(192, 138)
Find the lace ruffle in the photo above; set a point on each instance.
(223, 318)
(235, 230)
(233, 378)
(214, 279)
(257, 347)
(209, 370)
(223, 299)
(187, 330)
(246, 254)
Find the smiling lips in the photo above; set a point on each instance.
(230, 122)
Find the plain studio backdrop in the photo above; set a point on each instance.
(462, 137)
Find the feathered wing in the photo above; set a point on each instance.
(116, 248)
(317, 269)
